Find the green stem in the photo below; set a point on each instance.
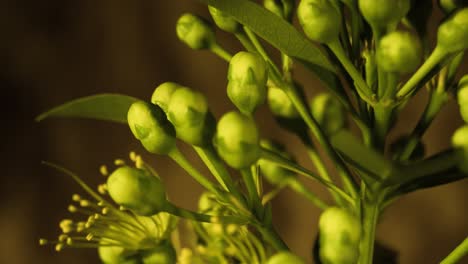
(217, 168)
(287, 164)
(382, 115)
(272, 194)
(436, 100)
(457, 254)
(244, 40)
(222, 53)
(361, 86)
(258, 46)
(247, 177)
(270, 235)
(316, 131)
(298, 187)
(370, 214)
(322, 171)
(187, 214)
(179, 158)
(437, 55)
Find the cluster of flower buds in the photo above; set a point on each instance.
(376, 42)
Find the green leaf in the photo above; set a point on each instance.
(274, 30)
(364, 158)
(109, 107)
(432, 180)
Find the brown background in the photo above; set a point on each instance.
(54, 51)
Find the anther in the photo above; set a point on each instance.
(103, 170)
(119, 162)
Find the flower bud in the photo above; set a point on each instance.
(149, 124)
(381, 13)
(163, 93)
(399, 52)
(460, 143)
(462, 97)
(188, 112)
(340, 232)
(119, 255)
(247, 77)
(272, 172)
(164, 253)
(452, 34)
(137, 190)
(328, 112)
(207, 202)
(320, 20)
(280, 104)
(237, 140)
(450, 5)
(195, 32)
(281, 8)
(223, 20)
(284, 257)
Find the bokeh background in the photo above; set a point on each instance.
(54, 51)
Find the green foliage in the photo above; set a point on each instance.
(109, 107)
(233, 223)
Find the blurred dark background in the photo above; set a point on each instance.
(54, 51)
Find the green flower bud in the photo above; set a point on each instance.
(117, 255)
(320, 20)
(462, 97)
(285, 257)
(399, 52)
(340, 232)
(149, 124)
(381, 13)
(281, 8)
(247, 78)
(280, 104)
(188, 112)
(460, 142)
(223, 20)
(272, 172)
(328, 112)
(195, 32)
(452, 34)
(450, 5)
(237, 140)
(163, 93)
(138, 190)
(207, 202)
(163, 254)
